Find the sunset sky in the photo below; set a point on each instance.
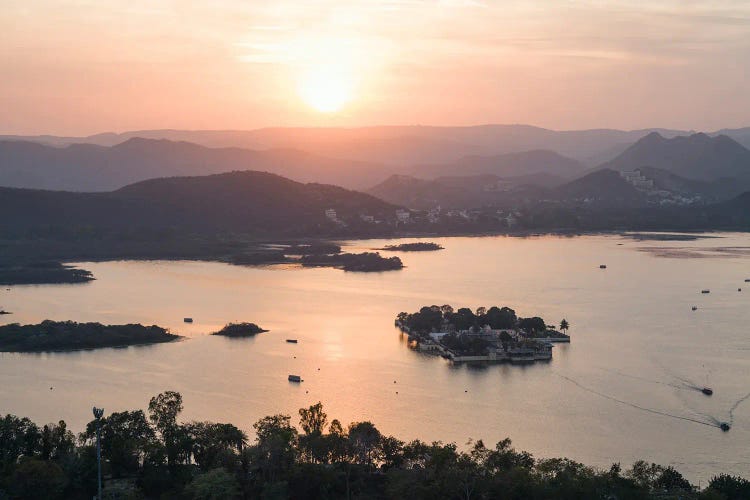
(81, 67)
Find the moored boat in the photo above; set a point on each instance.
(707, 391)
(705, 290)
(295, 378)
(188, 320)
(724, 426)
(291, 341)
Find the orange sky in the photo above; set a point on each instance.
(81, 67)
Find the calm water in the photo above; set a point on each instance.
(635, 339)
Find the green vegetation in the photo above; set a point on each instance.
(445, 318)
(413, 247)
(154, 455)
(361, 262)
(41, 272)
(240, 330)
(69, 336)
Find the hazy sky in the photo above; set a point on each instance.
(79, 67)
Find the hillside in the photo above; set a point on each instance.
(88, 167)
(604, 187)
(248, 202)
(697, 156)
(506, 165)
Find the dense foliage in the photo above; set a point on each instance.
(240, 330)
(69, 335)
(434, 318)
(363, 262)
(154, 455)
(420, 246)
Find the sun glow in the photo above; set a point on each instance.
(326, 88)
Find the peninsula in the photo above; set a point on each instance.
(41, 272)
(496, 334)
(240, 330)
(70, 336)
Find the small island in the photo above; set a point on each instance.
(496, 334)
(37, 273)
(71, 336)
(236, 330)
(357, 262)
(420, 246)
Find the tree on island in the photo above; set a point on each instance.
(564, 325)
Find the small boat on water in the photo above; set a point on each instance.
(746, 281)
(705, 290)
(3, 311)
(724, 426)
(295, 378)
(188, 320)
(707, 391)
(291, 341)
(695, 308)
(602, 266)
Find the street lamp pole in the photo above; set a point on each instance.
(98, 413)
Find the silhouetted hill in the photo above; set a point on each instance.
(461, 192)
(735, 212)
(506, 165)
(245, 202)
(698, 156)
(88, 167)
(418, 193)
(603, 186)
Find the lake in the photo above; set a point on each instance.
(619, 392)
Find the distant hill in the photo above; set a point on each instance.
(460, 192)
(697, 156)
(88, 167)
(506, 165)
(248, 202)
(733, 213)
(603, 186)
(396, 145)
(420, 194)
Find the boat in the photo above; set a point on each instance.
(188, 320)
(295, 378)
(705, 290)
(724, 426)
(695, 308)
(3, 311)
(291, 341)
(603, 266)
(746, 281)
(707, 391)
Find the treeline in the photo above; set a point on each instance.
(69, 335)
(432, 318)
(154, 455)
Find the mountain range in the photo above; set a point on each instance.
(698, 156)
(397, 145)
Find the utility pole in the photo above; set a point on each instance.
(98, 413)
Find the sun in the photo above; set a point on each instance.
(326, 88)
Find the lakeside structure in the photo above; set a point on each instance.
(485, 344)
